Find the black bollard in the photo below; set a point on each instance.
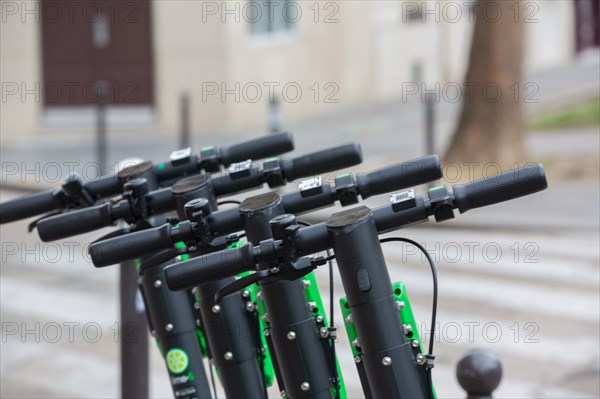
(479, 373)
(184, 128)
(429, 128)
(274, 115)
(101, 140)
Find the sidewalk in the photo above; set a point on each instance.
(539, 277)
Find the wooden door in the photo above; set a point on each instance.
(92, 44)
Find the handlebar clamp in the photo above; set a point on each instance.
(442, 204)
(346, 190)
(73, 192)
(209, 159)
(135, 192)
(273, 174)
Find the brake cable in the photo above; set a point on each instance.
(429, 356)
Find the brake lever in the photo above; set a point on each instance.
(160, 258)
(240, 284)
(116, 233)
(293, 271)
(34, 224)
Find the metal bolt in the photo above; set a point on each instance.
(305, 386)
(228, 355)
(386, 361)
(323, 332)
(312, 306)
(169, 327)
(319, 319)
(216, 309)
(420, 358)
(357, 359)
(407, 329)
(250, 306)
(400, 305)
(196, 305)
(157, 283)
(195, 291)
(349, 319)
(246, 294)
(356, 343)
(291, 336)
(414, 343)
(198, 322)
(306, 283)
(265, 317)
(192, 248)
(274, 269)
(153, 333)
(259, 295)
(282, 393)
(267, 332)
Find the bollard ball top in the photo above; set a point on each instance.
(479, 373)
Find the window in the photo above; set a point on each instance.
(272, 16)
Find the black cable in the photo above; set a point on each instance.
(228, 202)
(435, 296)
(261, 356)
(212, 378)
(336, 379)
(210, 363)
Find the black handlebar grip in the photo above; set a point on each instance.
(72, 223)
(209, 267)
(328, 160)
(399, 176)
(499, 188)
(262, 147)
(130, 246)
(105, 186)
(28, 206)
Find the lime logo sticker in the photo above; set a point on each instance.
(177, 360)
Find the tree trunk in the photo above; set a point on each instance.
(491, 126)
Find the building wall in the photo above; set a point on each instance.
(550, 34)
(187, 51)
(20, 69)
(357, 53)
(316, 68)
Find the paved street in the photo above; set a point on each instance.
(528, 292)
